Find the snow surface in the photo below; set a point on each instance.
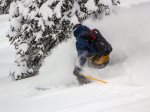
(129, 3)
(55, 89)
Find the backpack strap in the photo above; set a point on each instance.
(93, 33)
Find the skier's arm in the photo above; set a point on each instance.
(82, 50)
(82, 56)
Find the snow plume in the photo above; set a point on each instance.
(37, 26)
(128, 32)
(130, 3)
(58, 68)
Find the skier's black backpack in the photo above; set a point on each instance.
(100, 42)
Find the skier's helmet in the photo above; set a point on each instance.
(76, 26)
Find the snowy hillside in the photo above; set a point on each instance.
(55, 89)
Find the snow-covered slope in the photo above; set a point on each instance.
(55, 89)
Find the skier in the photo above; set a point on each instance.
(92, 49)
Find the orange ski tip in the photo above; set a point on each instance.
(94, 79)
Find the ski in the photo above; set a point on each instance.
(94, 79)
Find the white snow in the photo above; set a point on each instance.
(57, 9)
(129, 3)
(90, 5)
(46, 11)
(55, 89)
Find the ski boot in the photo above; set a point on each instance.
(81, 79)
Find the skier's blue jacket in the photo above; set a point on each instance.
(84, 47)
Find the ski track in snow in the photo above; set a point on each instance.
(57, 90)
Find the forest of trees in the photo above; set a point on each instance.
(37, 26)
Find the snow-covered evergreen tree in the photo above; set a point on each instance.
(37, 26)
(4, 6)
